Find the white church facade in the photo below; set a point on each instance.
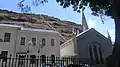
(17, 40)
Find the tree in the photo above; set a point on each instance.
(26, 8)
(98, 8)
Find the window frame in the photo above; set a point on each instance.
(43, 43)
(97, 53)
(6, 38)
(21, 40)
(52, 42)
(34, 43)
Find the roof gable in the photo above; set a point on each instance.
(92, 30)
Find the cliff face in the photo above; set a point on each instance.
(36, 21)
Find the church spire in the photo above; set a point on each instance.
(109, 36)
(84, 22)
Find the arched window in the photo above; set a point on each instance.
(96, 54)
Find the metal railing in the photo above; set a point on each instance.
(42, 61)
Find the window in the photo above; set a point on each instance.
(101, 56)
(43, 58)
(32, 59)
(21, 60)
(43, 41)
(1, 40)
(7, 37)
(4, 55)
(91, 55)
(96, 54)
(22, 41)
(34, 41)
(52, 42)
(53, 58)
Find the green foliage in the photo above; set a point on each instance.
(38, 2)
(27, 8)
(24, 8)
(98, 7)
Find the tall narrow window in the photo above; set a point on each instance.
(52, 42)
(96, 54)
(7, 37)
(43, 41)
(101, 56)
(91, 55)
(22, 41)
(34, 41)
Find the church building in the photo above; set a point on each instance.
(89, 44)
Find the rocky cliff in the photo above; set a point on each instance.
(37, 21)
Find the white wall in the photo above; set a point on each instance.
(8, 45)
(67, 49)
(46, 50)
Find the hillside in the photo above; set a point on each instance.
(36, 21)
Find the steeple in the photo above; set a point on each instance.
(109, 36)
(84, 22)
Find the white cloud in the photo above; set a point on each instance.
(91, 24)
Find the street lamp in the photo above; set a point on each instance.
(29, 43)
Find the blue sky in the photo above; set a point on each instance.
(52, 8)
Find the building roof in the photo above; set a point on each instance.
(38, 30)
(27, 29)
(83, 32)
(94, 31)
(3, 50)
(8, 25)
(86, 32)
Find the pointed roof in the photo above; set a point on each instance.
(84, 22)
(109, 37)
(91, 30)
(85, 33)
